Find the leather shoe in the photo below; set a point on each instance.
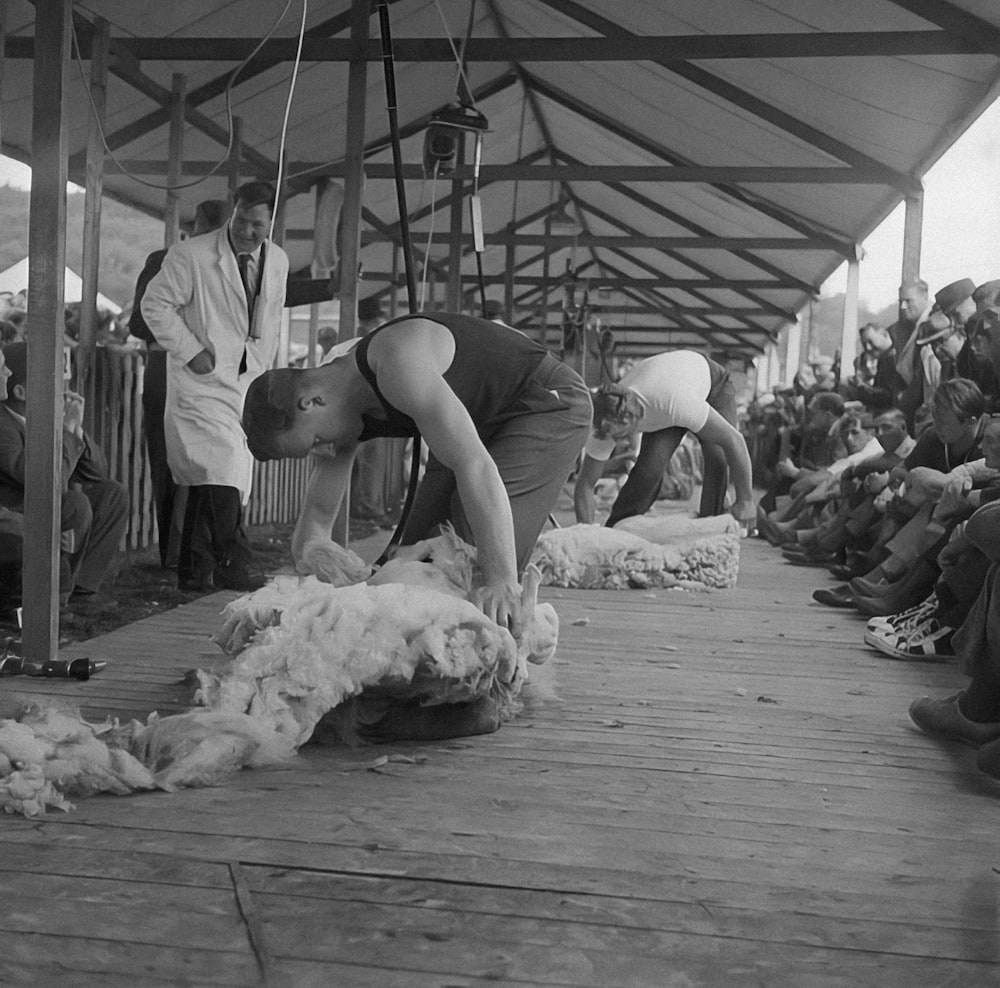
(877, 606)
(870, 588)
(944, 719)
(837, 597)
(237, 578)
(812, 559)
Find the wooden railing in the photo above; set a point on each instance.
(278, 486)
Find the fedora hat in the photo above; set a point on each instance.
(952, 296)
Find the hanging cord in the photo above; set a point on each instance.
(229, 108)
(288, 110)
(397, 153)
(404, 233)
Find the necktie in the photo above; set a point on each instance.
(243, 263)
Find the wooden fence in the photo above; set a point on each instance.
(278, 486)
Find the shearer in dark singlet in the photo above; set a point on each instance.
(504, 422)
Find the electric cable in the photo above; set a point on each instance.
(229, 109)
(404, 234)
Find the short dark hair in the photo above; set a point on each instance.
(827, 401)
(612, 406)
(270, 410)
(962, 396)
(252, 194)
(16, 357)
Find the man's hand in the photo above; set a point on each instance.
(202, 363)
(73, 406)
(331, 563)
(501, 603)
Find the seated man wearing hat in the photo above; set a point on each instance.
(94, 508)
(918, 365)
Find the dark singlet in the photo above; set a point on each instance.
(491, 369)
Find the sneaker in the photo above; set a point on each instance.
(927, 642)
(905, 620)
(943, 719)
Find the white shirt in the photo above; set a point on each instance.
(672, 388)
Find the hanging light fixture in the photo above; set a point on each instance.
(562, 223)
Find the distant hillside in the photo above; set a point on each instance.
(827, 317)
(127, 236)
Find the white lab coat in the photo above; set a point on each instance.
(197, 302)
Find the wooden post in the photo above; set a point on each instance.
(3, 46)
(453, 289)
(278, 237)
(912, 233)
(849, 332)
(175, 159)
(354, 145)
(47, 235)
(508, 285)
(235, 157)
(793, 351)
(85, 354)
(350, 244)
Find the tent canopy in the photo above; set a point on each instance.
(716, 161)
(15, 279)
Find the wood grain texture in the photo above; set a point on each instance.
(717, 790)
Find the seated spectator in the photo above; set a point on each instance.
(918, 482)
(923, 632)
(973, 715)
(94, 509)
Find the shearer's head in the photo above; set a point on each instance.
(617, 412)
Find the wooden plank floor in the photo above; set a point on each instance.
(723, 791)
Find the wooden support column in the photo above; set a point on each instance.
(85, 353)
(235, 158)
(278, 237)
(508, 285)
(175, 160)
(453, 292)
(350, 243)
(793, 351)
(913, 226)
(47, 235)
(354, 144)
(3, 46)
(849, 329)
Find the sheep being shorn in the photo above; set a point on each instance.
(404, 654)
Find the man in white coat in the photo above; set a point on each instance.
(215, 307)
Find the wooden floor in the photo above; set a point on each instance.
(725, 792)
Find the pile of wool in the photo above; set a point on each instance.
(332, 643)
(411, 633)
(594, 557)
(48, 752)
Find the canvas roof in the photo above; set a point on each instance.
(15, 279)
(722, 157)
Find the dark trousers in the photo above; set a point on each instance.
(97, 514)
(154, 399)
(535, 451)
(643, 485)
(213, 533)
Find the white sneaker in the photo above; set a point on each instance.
(905, 619)
(927, 642)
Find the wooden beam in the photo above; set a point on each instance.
(171, 208)
(687, 174)
(961, 25)
(658, 48)
(46, 267)
(753, 201)
(620, 241)
(93, 199)
(739, 97)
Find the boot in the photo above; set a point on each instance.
(904, 594)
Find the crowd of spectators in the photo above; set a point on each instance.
(891, 482)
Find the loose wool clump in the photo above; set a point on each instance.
(594, 557)
(305, 648)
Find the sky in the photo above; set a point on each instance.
(961, 230)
